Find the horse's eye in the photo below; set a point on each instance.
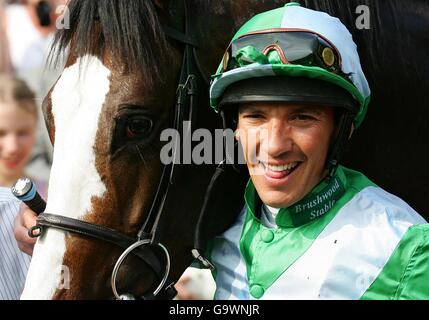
(138, 127)
(132, 128)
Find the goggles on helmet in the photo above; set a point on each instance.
(294, 46)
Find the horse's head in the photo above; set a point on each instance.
(105, 115)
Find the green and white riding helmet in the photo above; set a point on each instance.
(296, 55)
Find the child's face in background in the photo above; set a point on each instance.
(17, 137)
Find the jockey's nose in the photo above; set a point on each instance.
(278, 140)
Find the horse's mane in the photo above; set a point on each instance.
(124, 28)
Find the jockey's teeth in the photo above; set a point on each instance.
(285, 167)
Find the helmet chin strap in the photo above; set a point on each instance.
(229, 121)
(337, 146)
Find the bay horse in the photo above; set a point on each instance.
(117, 93)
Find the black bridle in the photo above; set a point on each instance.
(145, 245)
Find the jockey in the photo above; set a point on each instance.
(292, 85)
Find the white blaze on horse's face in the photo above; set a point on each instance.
(77, 101)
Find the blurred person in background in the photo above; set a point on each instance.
(18, 123)
(5, 63)
(30, 27)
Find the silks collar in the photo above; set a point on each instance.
(316, 204)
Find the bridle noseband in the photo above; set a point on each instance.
(145, 243)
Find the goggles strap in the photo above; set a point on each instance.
(337, 146)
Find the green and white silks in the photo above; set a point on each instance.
(368, 245)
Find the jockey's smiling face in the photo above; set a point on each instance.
(286, 147)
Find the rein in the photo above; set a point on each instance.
(144, 244)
